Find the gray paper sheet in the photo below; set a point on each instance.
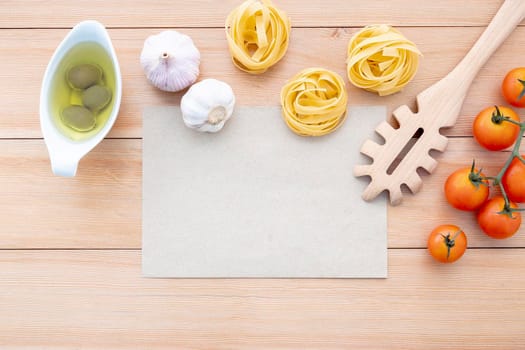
(256, 200)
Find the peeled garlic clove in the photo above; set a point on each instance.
(83, 76)
(170, 60)
(207, 105)
(96, 97)
(78, 118)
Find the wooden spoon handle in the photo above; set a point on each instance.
(510, 14)
(441, 103)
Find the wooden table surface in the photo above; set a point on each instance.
(70, 259)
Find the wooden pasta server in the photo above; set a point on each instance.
(438, 107)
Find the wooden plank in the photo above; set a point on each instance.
(98, 300)
(202, 13)
(22, 72)
(101, 207)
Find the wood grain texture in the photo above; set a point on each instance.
(206, 13)
(101, 206)
(97, 300)
(442, 48)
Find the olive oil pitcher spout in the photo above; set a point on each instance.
(64, 165)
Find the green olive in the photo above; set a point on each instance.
(96, 97)
(83, 76)
(78, 118)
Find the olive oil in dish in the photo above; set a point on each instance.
(82, 90)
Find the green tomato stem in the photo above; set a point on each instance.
(522, 93)
(507, 119)
(497, 117)
(475, 177)
(450, 242)
(514, 154)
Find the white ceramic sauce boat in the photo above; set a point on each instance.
(64, 152)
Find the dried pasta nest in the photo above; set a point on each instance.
(258, 35)
(314, 102)
(381, 59)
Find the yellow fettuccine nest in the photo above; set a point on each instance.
(381, 59)
(258, 35)
(314, 102)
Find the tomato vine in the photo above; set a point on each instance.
(498, 117)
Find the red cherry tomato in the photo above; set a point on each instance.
(513, 87)
(465, 189)
(514, 181)
(496, 221)
(492, 131)
(447, 243)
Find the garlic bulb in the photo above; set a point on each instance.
(170, 60)
(207, 105)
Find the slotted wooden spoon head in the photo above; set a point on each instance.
(387, 171)
(396, 162)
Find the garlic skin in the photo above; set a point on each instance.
(207, 105)
(170, 60)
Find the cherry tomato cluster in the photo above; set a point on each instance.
(495, 128)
